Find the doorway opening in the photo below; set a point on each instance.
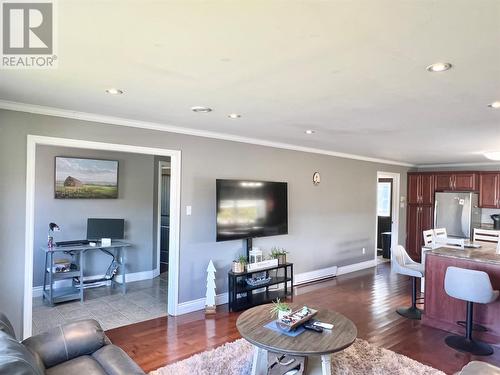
(163, 219)
(387, 217)
(139, 270)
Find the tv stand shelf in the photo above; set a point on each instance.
(243, 296)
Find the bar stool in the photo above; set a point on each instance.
(404, 265)
(473, 287)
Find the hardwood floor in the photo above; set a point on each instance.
(369, 298)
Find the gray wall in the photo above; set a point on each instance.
(134, 204)
(328, 224)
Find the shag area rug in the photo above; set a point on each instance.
(361, 358)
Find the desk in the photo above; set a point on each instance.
(75, 291)
(442, 311)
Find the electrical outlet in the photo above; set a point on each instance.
(364, 251)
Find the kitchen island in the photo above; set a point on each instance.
(443, 311)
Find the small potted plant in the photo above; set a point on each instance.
(278, 253)
(280, 309)
(239, 264)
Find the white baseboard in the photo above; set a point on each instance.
(301, 278)
(307, 277)
(136, 276)
(199, 304)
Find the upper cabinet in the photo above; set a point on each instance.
(420, 188)
(457, 181)
(444, 181)
(489, 189)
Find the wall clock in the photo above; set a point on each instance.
(316, 178)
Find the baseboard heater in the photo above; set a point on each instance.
(313, 276)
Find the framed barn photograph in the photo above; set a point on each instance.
(81, 178)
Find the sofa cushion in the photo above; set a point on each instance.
(68, 341)
(116, 362)
(17, 359)
(84, 365)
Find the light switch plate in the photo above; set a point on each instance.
(188, 210)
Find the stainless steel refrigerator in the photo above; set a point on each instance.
(458, 212)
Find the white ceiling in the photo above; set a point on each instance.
(354, 71)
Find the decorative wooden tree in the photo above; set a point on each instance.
(210, 296)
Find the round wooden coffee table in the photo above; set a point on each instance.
(310, 344)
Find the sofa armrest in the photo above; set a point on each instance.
(68, 341)
(6, 326)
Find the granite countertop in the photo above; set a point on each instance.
(485, 254)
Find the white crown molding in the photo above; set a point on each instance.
(86, 116)
(455, 165)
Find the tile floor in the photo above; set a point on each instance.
(144, 300)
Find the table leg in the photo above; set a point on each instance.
(259, 364)
(45, 276)
(81, 261)
(123, 260)
(51, 279)
(326, 364)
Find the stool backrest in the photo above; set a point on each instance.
(486, 235)
(440, 235)
(428, 238)
(469, 285)
(401, 257)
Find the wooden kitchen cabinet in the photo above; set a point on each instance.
(413, 188)
(420, 188)
(457, 181)
(412, 239)
(427, 189)
(489, 189)
(444, 181)
(420, 218)
(466, 182)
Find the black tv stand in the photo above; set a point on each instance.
(243, 296)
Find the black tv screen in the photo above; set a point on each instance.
(247, 209)
(105, 228)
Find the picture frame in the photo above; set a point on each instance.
(85, 178)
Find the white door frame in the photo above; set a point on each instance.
(396, 192)
(161, 165)
(175, 203)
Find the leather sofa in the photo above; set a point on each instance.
(75, 348)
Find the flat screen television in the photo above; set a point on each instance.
(247, 209)
(105, 228)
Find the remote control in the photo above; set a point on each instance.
(323, 325)
(310, 326)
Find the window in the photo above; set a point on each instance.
(384, 199)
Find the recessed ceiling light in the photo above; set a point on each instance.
(309, 131)
(495, 104)
(199, 109)
(493, 155)
(234, 115)
(438, 67)
(114, 91)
